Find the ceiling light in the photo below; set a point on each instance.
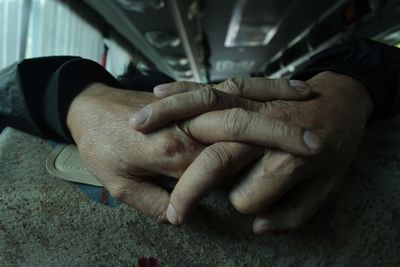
(141, 5)
(162, 39)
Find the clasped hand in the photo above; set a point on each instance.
(284, 146)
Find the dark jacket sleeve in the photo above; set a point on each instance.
(374, 64)
(35, 93)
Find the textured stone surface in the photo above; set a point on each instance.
(45, 221)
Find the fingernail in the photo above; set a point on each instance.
(140, 117)
(172, 216)
(161, 89)
(262, 226)
(299, 86)
(312, 140)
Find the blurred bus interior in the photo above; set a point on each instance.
(194, 40)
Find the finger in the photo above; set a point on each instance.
(258, 88)
(264, 89)
(240, 125)
(146, 197)
(167, 89)
(211, 167)
(184, 106)
(266, 181)
(296, 208)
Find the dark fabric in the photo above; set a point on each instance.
(143, 81)
(35, 93)
(374, 64)
(67, 81)
(22, 87)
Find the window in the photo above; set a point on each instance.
(35, 28)
(12, 30)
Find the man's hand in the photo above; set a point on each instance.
(282, 189)
(126, 161)
(122, 159)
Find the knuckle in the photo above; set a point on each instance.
(286, 165)
(242, 202)
(234, 86)
(291, 165)
(157, 211)
(162, 105)
(157, 108)
(171, 145)
(280, 128)
(118, 191)
(217, 156)
(274, 84)
(235, 122)
(208, 97)
(176, 154)
(283, 129)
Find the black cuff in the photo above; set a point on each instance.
(67, 82)
(31, 79)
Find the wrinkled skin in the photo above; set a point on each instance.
(338, 114)
(126, 161)
(121, 158)
(282, 189)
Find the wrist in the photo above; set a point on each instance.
(77, 105)
(90, 108)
